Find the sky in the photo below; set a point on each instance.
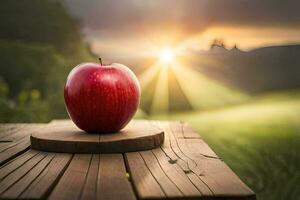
(142, 27)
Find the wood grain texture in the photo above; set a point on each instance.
(64, 136)
(12, 178)
(145, 184)
(19, 187)
(94, 176)
(12, 165)
(31, 175)
(14, 139)
(89, 190)
(8, 129)
(186, 162)
(46, 180)
(112, 181)
(72, 182)
(184, 167)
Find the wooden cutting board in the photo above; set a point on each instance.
(64, 136)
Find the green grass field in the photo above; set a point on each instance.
(259, 140)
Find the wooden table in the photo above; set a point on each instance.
(183, 168)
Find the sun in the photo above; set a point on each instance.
(167, 56)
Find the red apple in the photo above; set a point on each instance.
(101, 98)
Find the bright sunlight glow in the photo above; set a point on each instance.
(167, 56)
(172, 77)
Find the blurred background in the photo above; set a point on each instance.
(231, 68)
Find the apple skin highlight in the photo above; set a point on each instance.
(101, 98)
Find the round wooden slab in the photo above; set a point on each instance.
(64, 136)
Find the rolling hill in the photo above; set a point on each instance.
(258, 70)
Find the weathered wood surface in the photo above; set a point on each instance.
(14, 139)
(63, 136)
(183, 168)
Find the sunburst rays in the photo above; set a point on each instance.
(160, 101)
(200, 91)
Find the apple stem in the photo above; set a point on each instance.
(100, 60)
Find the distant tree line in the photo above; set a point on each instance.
(39, 44)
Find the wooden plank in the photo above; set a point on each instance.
(90, 187)
(7, 145)
(172, 180)
(177, 175)
(44, 183)
(71, 183)
(14, 151)
(208, 164)
(64, 136)
(178, 132)
(12, 178)
(184, 132)
(18, 187)
(17, 142)
(189, 163)
(16, 163)
(20, 133)
(157, 170)
(92, 177)
(31, 175)
(9, 129)
(112, 181)
(143, 181)
(184, 162)
(6, 127)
